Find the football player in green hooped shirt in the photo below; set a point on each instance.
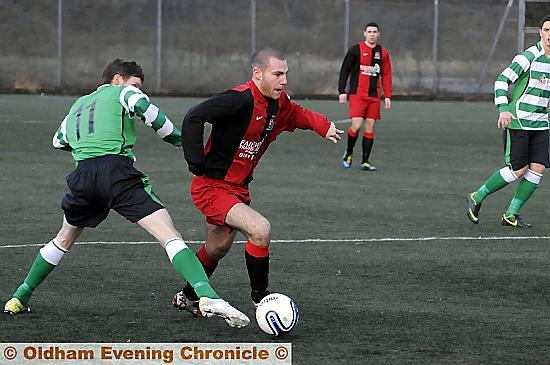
(99, 131)
(524, 118)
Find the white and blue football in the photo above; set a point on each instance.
(277, 314)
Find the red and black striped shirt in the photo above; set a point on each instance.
(365, 66)
(244, 123)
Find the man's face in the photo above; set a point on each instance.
(272, 80)
(134, 81)
(371, 35)
(545, 35)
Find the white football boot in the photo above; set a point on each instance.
(218, 307)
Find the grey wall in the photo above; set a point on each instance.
(206, 45)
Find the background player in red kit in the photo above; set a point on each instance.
(245, 120)
(365, 64)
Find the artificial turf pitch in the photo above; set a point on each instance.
(384, 266)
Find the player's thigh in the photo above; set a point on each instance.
(538, 149)
(516, 148)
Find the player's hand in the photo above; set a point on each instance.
(504, 119)
(333, 134)
(343, 98)
(179, 149)
(387, 103)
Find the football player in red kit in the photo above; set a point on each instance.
(245, 120)
(367, 65)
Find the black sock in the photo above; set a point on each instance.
(351, 144)
(258, 272)
(367, 148)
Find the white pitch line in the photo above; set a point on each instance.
(342, 121)
(357, 241)
(6, 121)
(10, 121)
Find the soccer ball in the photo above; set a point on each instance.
(277, 314)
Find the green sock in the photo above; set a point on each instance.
(187, 265)
(40, 269)
(524, 191)
(494, 183)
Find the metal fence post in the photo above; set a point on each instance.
(252, 26)
(521, 25)
(59, 43)
(159, 45)
(346, 27)
(435, 80)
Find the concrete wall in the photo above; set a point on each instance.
(206, 45)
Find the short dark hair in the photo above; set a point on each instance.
(544, 20)
(126, 69)
(372, 24)
(261, 58)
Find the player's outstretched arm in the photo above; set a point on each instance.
(135, 101)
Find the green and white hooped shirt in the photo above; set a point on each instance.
(530, 73)
(101, 123)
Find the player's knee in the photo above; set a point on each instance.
(354, 129)
(262, 232)
(67, 236)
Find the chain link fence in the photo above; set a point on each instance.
(191, 47)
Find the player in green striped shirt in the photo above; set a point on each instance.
(524, 118)
(99, 131)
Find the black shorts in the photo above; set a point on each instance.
(103, 183)
(522, 147)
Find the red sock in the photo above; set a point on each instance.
(205, 259)
(255, 250)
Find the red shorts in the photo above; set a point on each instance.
(364, 107)
(214, 198)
